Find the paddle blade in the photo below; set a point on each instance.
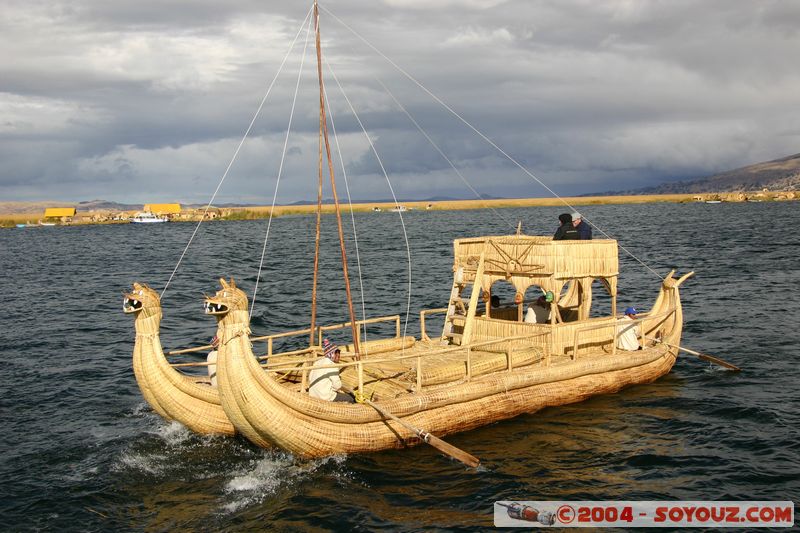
(718, 361)
(452, 451)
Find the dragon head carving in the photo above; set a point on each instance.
(142, 301)
(226, 301)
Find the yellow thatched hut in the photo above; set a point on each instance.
(163, 209)
(64, 214)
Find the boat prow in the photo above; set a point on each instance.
(190, 400)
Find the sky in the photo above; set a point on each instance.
(147, 101)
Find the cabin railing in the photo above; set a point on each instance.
(617, 324)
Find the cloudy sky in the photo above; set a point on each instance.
(142, 101)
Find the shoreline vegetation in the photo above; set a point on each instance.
(260, 212)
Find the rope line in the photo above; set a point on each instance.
(478, 132)
(394, 197)
(449, 162)
(280, 169)
(235, 154)
(350, 204)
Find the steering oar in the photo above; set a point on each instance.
(426, 437)
(703, 356)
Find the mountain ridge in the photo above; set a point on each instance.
(782, 174)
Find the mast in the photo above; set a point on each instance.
(316, 240)
(324, 134)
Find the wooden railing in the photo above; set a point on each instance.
(616, 325)
(359, 323)
(360, 364)
(303, 365)
(422, 315)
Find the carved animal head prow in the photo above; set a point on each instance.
(142, 300)
(228, 298)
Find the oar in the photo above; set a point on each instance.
(703, 356)
(433, 440)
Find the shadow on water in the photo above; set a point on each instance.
(82, 451)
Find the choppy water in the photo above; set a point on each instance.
(81, 450)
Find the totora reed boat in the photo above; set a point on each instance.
(488, 363)
(482, 369)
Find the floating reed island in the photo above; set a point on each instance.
(11, 216)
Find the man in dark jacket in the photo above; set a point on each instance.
(584, 229)
(566, 231)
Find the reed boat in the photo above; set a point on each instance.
(487, 365)
(188, 399)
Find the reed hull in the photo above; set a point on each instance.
(175, 396)
(306, 428)
(171, 394)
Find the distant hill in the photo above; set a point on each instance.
(104, 205)
(776, 175)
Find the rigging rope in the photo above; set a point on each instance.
(479, 133)
(280, 169)
(350, 204)
(449, 162)
(394, 197)
(235, 153)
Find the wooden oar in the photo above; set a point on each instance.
(703, 356)
(433, 440)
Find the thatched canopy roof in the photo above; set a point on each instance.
(539, 256)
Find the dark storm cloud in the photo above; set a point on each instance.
(140, 101)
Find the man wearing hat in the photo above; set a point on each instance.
(566, 231)
(628, 335)
(584, 229)
(325, 382)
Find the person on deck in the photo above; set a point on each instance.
(566, 231)
(584, 229)
(538, 312)
(325, 382)
(628, 338)
(212, 358)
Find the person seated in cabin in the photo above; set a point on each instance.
(538, 312)
(566, 231)
(325, 382)
(584, 229)
(628, 336)
(212, 358)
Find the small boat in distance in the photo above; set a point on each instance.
(713, 201)
(399, 209)
(145, 217)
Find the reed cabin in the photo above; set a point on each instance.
(553, 283)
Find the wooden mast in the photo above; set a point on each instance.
(324, 124)
(312, 340)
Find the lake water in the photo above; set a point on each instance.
(82, 451)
